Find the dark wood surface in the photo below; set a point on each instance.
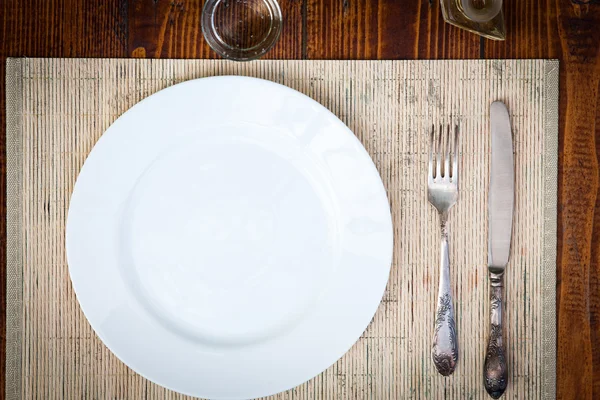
(375, 29)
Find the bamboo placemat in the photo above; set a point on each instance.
(58, 108)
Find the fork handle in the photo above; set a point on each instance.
(495, 373)
(445, 346)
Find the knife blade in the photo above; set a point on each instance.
(500, 217)
(502, 188)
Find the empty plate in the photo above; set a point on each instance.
(229, 237)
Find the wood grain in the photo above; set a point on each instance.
(378, 29)
(579, 32)
(595, 277)
(365, 29)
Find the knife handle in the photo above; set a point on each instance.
(495, 372)
(445, 346)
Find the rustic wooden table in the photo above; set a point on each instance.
(375, 29)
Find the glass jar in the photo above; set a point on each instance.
(483, 17)
(241, 30)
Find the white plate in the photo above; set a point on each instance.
(229, 237)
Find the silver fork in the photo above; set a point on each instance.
(442, 187)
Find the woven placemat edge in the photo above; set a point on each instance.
(550, 228)
(14, 223)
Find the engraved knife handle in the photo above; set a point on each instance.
(495, 372)
(444, 351)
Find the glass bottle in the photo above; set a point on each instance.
(483, 17)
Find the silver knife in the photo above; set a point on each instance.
(500, 217)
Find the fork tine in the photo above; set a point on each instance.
(431, 150)
(447, 152)
(455, 157)
(438, 155)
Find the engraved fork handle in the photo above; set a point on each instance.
(445, 346)
(495, 374)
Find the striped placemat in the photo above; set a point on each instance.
(58, 108)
